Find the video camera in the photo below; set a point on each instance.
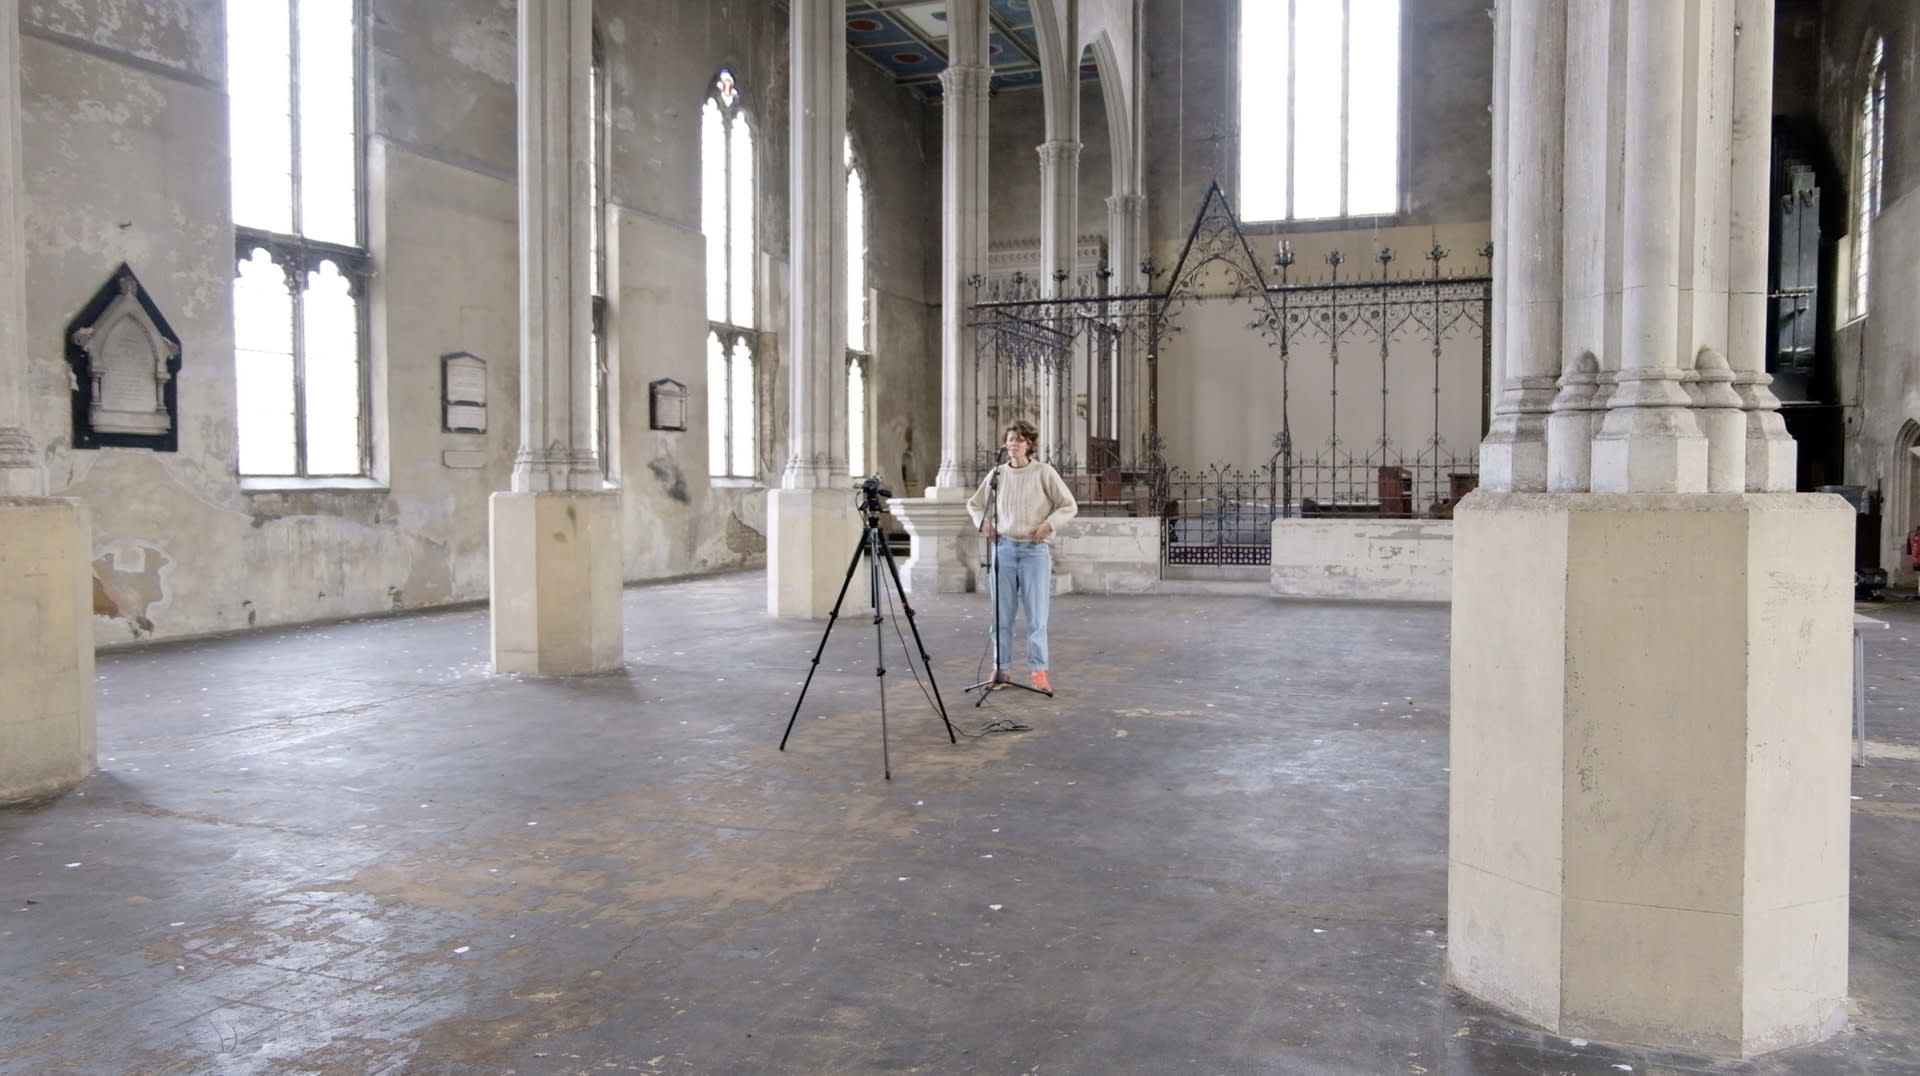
(871, 495)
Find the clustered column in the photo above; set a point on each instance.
(555, 549)
(1650, 674)
(47, 732)
(817, 345)
(810, 517)
(1630, 149)
(20, 472)
(557, 450)
(1529, 87)
(963, 179)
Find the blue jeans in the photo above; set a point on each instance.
(1023, 580)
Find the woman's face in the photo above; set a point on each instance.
(1017, 448)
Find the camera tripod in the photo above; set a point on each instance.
(873, 546)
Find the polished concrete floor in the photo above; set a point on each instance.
(1221, 849)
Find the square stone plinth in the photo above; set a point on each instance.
(1650, 769)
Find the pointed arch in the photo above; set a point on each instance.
(729, 218)
(1903, 508)
(1059, 68)
(1118, 97)
(860, 336)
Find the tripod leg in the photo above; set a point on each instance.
(925, 661)
(832, 615)
(876, 541)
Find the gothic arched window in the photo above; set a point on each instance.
(1319, 109)
(727, 218)
(602, 416)
(297, 153)
(859, 319)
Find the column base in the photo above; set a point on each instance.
(556, 583)
(1650, 450)
(48, 737)
(811, 536)
(1514, 454)
(1650, 765)
(945, 545)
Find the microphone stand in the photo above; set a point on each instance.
(993, 599)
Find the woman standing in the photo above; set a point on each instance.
(1019, 507)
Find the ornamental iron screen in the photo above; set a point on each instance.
(1375, 388)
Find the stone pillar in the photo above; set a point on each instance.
(944, 541)
(1126, 246)
(556, 564)
(1650, 767)
(1770, 463)
(963, 184)
(1126, 238)
(1059, 213)
(1650, 441)
(20, 472)
(1059, 244)
(47, 727)
(1527, 219)
(812, 525)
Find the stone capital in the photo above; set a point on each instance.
(959, 82)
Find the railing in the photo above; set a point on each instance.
(1223, 515)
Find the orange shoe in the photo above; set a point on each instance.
(1001, 678)
(1040, 681)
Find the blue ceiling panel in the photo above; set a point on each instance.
(1013, 12)
(911, 61)
(908, 40)
(874, 28)
(1003, 53)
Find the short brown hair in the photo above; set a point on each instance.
(1024, 430)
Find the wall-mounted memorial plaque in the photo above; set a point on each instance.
(124, 361)
(463, 393)
(668, 407)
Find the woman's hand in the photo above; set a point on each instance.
(1043, 532)
(990, 530)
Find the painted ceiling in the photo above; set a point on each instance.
(908, 40)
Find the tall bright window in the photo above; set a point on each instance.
(1869, 149)
(1319, 108)
(293, 90)
(727, 218)
(597, 242)
(859, 327)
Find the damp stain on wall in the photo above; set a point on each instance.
(671, 479)
(129, 581)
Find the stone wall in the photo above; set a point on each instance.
(1875, 358)
(1192, 101)
(126, 143)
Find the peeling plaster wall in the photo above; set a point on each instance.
(126, 148)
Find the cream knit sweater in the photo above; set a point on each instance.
(1027, 497)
